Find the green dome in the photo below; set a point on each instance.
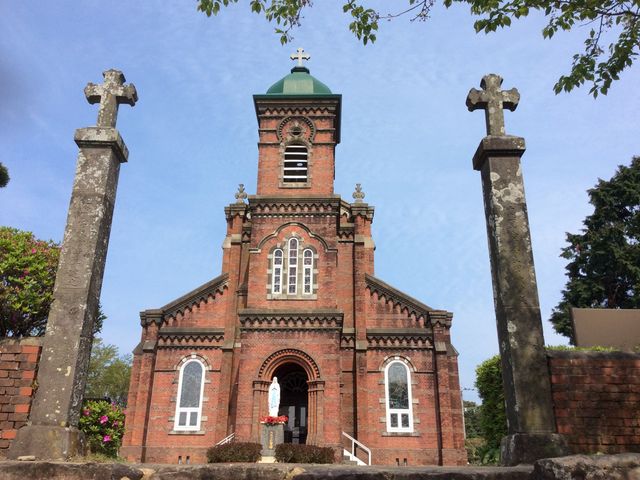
(299, 82)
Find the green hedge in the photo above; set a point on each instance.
(234, 452)
(294, 453)
(493, 419)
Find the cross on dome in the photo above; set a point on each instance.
(300, 55)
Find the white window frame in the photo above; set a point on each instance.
(295, 149)
(277, 270)
(189, 410)
(307, 270)
(292, 267)
(398, 411)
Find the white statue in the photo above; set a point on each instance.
(274, 397)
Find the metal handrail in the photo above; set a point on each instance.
(355, 442)
(226, 439)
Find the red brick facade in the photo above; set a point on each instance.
(596, 398)
(333, 339)
(18, 369)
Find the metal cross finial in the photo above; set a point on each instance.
(110, 94)
(241, 195)
(358, 195)
(300, 56)
(492, 99)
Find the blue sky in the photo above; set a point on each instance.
(407, 137)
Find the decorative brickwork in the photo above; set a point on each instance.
(596, 397)
(18, 370)
(327, 343)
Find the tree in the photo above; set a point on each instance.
(27, 275)
(617, 18)
(471, 419)
(4, 176)
(493, 417)
(604, 260)
(108, 374)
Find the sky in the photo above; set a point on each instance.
(407, 137)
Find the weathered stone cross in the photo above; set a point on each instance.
(110, 94)
(492, 99)
(300, 56)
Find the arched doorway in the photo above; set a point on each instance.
(294, 401)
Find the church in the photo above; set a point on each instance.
(297, 299)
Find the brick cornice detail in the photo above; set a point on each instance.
(200, 295)
(408, 303)
(177, 337)
(399, 338)
(293, 206)
(290, 320)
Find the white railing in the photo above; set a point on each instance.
(352, 454)
(227, 439)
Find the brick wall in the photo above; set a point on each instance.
(596, 398)
(18, 368)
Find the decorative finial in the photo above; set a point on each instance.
(492, 99)
(241, 195)
(358, 194)
(300, 56)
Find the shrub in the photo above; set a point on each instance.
(493, 419)
(294, 453)
(234, 452)
(103, 424)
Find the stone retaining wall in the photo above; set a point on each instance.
(596, 397)
(18, 368)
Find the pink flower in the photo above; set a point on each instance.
(115, 424)
(104, 419)
(86, 412)
(33, 250)
(106, 438)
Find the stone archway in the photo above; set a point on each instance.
(290, 361)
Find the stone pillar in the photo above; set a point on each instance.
(260, 401)
(530, 418)
(52, 430)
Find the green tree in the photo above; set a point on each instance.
(108, 374)
(493, 417)
(604, 260)
(4, 176)
(618, 19)
(471, 419)
(27, 275)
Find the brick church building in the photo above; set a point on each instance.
(298, 300)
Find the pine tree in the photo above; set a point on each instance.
(604, 260)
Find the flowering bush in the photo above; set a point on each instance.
(103, 424)
(269, 420)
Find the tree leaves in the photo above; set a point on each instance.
(604, 260)
(596, 65)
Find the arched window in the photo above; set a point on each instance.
(397, 380)
(189, 402)
(293, 266)
(276, 284)
(295, 164)
(307, 277)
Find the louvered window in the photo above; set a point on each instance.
(295, 164)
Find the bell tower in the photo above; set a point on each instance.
(299, 128)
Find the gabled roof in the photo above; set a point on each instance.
(413, 306)
(187, 301)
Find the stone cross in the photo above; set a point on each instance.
(52, 431)
(110, 94)
(525, 374)
(358, 194)
(493, 100)
(300, 56)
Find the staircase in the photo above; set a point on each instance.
(349, 455)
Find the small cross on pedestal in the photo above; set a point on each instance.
(300, 55)
(110, 94)
(493, 100)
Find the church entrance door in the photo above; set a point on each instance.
(294, 401)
